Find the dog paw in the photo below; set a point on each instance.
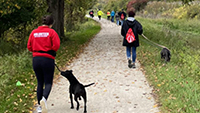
(77, 108)
(85, 112)
(72, 107)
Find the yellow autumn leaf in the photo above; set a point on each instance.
(20, 100)
(18, 7)
(15, 103)
(155, 106)
(158, 85)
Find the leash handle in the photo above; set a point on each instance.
(154, 42)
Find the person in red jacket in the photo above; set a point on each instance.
(43, 42)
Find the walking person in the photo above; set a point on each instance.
(122, 15)
(108, 15)
(131, 46)
(112, 16)
(91, 13)
(99, 13)
(43, 42)
(117, 18)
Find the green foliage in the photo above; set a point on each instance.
(171, 10)
(76, 11)
(187, 12)
(177, 82)
(16, 21)
(15, 12)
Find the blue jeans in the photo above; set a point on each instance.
(128, 53)
(122, 22)
(117, 22)
(112, 18)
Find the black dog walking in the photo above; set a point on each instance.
(165, 52)
(75, 88)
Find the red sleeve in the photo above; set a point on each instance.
(29, 44)
(55, 41)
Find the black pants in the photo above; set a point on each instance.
(99, 17)
(44, 71)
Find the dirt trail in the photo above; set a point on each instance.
(117, 89)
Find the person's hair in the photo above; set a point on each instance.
(47, 20)
(131, 14)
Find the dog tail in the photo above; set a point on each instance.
(88, 85)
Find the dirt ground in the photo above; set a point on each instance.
(117, 89)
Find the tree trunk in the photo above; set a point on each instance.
(56, 8)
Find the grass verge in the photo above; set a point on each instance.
(177, 83)
(20, 99)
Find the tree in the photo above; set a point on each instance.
(56, 8)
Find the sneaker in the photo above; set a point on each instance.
(133, 65)
(39, 109)
(129, 63)
(43, 103)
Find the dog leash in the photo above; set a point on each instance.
(57, 68)
(154, 42)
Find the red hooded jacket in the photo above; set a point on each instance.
(43, 39)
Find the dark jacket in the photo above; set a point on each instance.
(120, 13)
(137, 29)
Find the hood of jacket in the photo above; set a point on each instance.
(130, 21)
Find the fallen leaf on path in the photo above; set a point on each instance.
(149, 98)
(126, 89)
(156, 105)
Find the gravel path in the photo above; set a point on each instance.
(117, 89)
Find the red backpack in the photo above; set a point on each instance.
(122, 16)
(130, 37)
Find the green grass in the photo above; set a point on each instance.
(177, 83)
(19, 68)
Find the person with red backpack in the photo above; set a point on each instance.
(122, 16)
(91, 13)
(130, 30)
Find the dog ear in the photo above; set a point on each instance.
(70, 70)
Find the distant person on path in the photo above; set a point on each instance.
(136, 29)
(117, 18)
(112, 16)
(91, 13)
(122, 16)
(43, 42)
(99, 13)
(108, 15)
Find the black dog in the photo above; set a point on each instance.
(165, 54)
(76, 88)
